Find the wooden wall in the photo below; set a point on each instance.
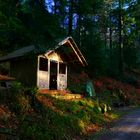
(24, 70)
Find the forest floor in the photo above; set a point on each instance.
(24, 115)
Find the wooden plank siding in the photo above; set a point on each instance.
(24, 70)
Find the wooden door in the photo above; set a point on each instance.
(53, 75)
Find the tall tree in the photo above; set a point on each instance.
(120, 27)
(71, 12)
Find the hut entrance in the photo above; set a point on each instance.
(53, 75)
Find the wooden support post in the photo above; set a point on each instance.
(49, 73)
(58, 76)
(38, 71)
(67, 75)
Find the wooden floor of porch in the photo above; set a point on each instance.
(61, 94)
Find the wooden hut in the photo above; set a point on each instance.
(46, 68)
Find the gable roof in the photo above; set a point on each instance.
(64, 46)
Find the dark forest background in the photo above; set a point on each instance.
(106, 31)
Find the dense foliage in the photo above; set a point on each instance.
(106, 31)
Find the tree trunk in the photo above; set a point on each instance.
(55, 6)
(79, 30)
(105, 38)
(121, 60)
(110, 39)
(70, 17)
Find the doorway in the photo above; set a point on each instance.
(53, 75)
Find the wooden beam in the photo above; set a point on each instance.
(76, 53)
(76, 47)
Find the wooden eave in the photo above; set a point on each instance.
(75, 55)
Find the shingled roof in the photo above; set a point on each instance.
(64, 45)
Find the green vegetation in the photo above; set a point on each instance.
(37, 116)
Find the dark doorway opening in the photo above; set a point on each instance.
(53, 75)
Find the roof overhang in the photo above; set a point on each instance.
(71, 52)
(17, 53)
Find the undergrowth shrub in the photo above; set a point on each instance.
(19, 103)
(77, 82)
(16, 88)
(119, 92)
